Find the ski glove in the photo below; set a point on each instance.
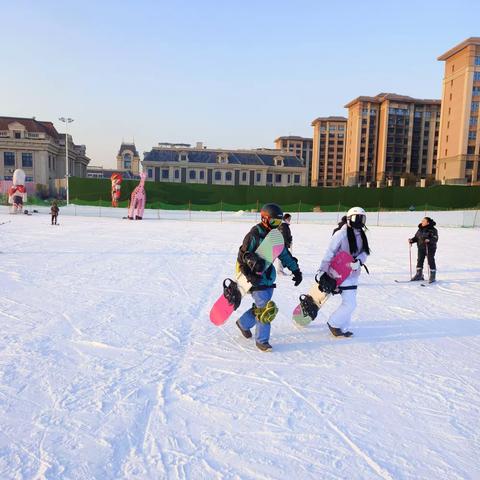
(297, 277)
(254, 262)
(355, 265)
(326, 283)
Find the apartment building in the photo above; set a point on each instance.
(182, 163)
(128, 159)
(328, 151)
(300, 147)
(388, 136)
(459, 144)
(37, 148)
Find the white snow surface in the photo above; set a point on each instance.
(111, 369)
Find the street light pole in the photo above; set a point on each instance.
(66, 121)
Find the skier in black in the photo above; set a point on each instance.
(54, 212)
(426, 239)
(264, 309)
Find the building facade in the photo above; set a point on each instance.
(389, 136)
(300, 147)
(37, 148)
(181, 163)
(459, 145)
(128, 159)
(328, 151)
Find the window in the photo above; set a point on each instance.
(165, 173)
(269, 178)
(127, 161)
(218, 176)
(296, 179)
(183, 157)
(278, 178)
(244, 177)
(473, 121)
(9, 159)
(476, 91)
(192, 174)
(472, 135)
(259, 177)
(202, 175)
(471, 150)
(177, 174)
(28, 179)
(474, 106)
(27, 160)
(477, 60)
(150, 172)
(228, 176)
(476, 76)
(18, 134)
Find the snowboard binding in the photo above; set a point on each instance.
(309, 307)
(232, 293)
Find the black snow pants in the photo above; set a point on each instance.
(429, 252)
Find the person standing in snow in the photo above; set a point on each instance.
(264, 310)
(348, 237)
(54, 212)
(426, 239)
(284, 228)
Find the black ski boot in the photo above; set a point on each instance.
(264, 347)
(337, 332)
(433, 275)
(418, 276)
(232, 293)
(245, 333)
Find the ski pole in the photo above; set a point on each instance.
(428, 263)
(410, 256)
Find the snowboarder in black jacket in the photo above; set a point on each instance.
(426, 239)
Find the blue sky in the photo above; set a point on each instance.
(230, 74)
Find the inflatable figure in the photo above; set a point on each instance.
(116, 179)
(17, 194)
(137, 200)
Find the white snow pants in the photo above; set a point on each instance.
(342, 316)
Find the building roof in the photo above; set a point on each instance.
(31, 125)
(259, 158)
(328, 119)
(460, 46)
(107, 173)
(394, 97)
(128, 146)
(294, 137)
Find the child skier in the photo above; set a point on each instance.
(264, 309)
(54, 211)
(284, 228)
(348, 237)
(426, 239)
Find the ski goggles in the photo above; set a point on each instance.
(275, 222)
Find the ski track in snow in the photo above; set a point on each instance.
(111, 369)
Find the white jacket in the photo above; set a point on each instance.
(339, 243)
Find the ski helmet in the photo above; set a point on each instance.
(356, 217)
(271, 215)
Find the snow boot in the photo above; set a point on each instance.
(418, 276)
(433, 274)
(245, 333)
(337, 332)
(264, 347)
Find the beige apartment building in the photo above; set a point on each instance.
(459, 144)
(301, 147)
(328, 151)
(389, 136)
(37, 148)
(182, 163)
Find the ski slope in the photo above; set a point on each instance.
(110, 368)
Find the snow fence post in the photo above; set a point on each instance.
(221, 211)
(100, 206)
(256, 213)
(378, 213)
(298, 213)
(190, 210)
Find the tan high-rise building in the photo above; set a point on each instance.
(301, 147)
(390, 135)
(328, 151)
(459, 145)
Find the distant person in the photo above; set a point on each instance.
(54, 212)
(426, 239)
(284, 228)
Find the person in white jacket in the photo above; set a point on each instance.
(348, 237)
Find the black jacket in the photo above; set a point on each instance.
(429, 232)
(287, 234)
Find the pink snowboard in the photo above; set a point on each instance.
(310, 303)
(220, 311)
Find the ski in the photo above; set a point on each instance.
(403, 281)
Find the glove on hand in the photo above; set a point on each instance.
(326, 283)
(355, 265)
(297, 277)
(254, 262)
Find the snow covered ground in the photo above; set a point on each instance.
(110, 368)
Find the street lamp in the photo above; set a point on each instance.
(66, 121)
